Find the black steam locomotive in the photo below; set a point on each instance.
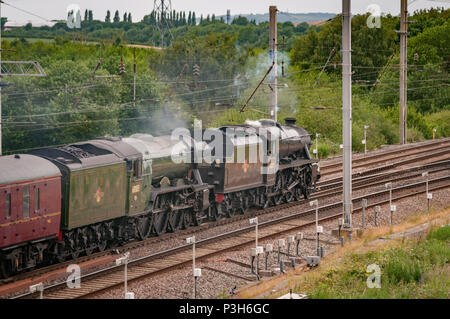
(102, 193)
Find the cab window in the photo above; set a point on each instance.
(137, 168)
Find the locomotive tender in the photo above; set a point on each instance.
(59, 203)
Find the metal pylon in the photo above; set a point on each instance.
(162, 9)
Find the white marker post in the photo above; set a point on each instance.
(365, 138)
(196, 272)
(316, 203)
(124, 261)
(428, 195)
(38, 287)
(389, 186)
(254, 221)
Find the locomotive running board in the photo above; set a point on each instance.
(298, 163)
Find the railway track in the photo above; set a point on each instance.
(442, 144)
(328, 188)
(179, 256)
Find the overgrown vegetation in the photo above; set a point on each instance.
(148, 31)
(67, 106)
(415, 269)
(315, 99)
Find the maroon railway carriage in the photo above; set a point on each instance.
(30, 210)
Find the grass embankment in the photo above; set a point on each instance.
(415, 269)
(410, 268)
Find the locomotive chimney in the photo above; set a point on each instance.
(290, 121)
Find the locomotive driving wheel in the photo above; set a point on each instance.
(143, 227)
(244, 202)
(227, 206)
(159, 223)
(175, 220)
(277, 188)
(75, 238)
(289, 196)
(102, 241)
(298, 192)
(176, 217)
(160, 220)
(90, 244)
(308, 182)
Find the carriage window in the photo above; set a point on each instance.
(137, 168)
(37, 199)
(8, 205)
(26, 201)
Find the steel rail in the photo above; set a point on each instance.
(234, 233)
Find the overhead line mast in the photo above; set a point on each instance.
(347, 111)
(273, 79)
(403, 69)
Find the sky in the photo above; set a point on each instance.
(56, 9)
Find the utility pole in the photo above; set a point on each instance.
(273, 79)
(1, 149)
(347, 112)
(134, 78)
(403, 69)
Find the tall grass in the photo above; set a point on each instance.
(415, 269)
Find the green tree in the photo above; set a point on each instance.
(240, 21)
(91, 16)
(3, 21)
(129, 17)
(116, 17)
(108, 16)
